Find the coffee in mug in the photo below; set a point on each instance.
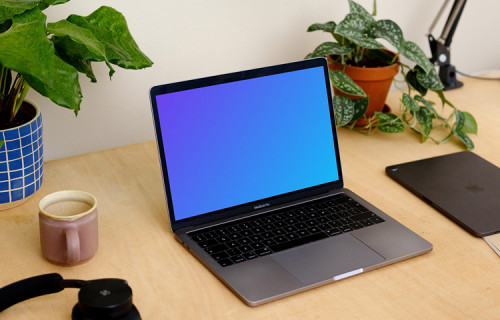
(68, 227)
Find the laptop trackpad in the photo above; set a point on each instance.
(328, 258)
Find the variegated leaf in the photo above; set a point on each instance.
(360, 107)
(344, 110)
(389, 123)
(465, 139)
(430, 80)
(413, 52)
(424, 118)
(328, 27)
(345, 84)
(357, 8)
(390, 31)
(328, 48)
(409, 102)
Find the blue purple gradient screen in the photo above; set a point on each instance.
(243, 141)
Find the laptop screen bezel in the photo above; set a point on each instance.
(255, 205)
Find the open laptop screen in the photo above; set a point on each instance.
(242, 141)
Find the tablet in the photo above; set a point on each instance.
(463, 186)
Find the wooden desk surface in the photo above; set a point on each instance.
(459, 279)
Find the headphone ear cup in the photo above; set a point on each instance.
(132, 314)
(105, 299)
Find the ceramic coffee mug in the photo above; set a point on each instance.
(68, 227)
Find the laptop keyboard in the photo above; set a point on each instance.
(257, 236)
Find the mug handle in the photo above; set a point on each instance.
(72, 245)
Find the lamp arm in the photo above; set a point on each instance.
(452, 22)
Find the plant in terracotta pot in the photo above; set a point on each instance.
(360, 51)
(48, 57)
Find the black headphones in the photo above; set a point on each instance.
(97, 299)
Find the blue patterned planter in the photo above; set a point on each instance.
(21, 162)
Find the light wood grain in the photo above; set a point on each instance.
(459, 279)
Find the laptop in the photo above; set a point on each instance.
(463, 186)
(254, 187)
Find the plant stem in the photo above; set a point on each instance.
(21, 88)
(3, 79)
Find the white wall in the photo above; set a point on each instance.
(196, 38)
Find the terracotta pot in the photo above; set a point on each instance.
(375, 82)
(21, 159)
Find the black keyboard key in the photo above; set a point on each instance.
(238, 259)
(208, 243)
(303, 233)
(233, 244)
(209, 235)
(268, 235)
(225, 262)
(346, 229)
(269, 242)
(263, 251)
(258, 230)
(313, 230)
(292, 236)
(250, 255)
(367, 223)
(223, 239)
(244, 241)
(246, 233)
(298, 242)
(280, 239)
(361, 208)
(256, 237)
(199, 238)
(216, 248)
(346, 221)
(343, 213)
(333, 232)
(363, 216)
(279, 232)
(267, 220)
(234, 229)
(245, 249)
(233, 252)
(336, 224)
(235, 236)
(311, 223)
(356, 225)
(377, 219)
(257, 245)
(221, 232)
(220, 255)
(269, 227)
(245, 226)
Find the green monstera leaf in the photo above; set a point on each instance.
(110, 27)
(49, 56)
(27, 50)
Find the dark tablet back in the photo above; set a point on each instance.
(462, 185)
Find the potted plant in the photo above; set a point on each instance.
(357, 48)
(48, 58)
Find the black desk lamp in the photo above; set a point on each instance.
(440, 48)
